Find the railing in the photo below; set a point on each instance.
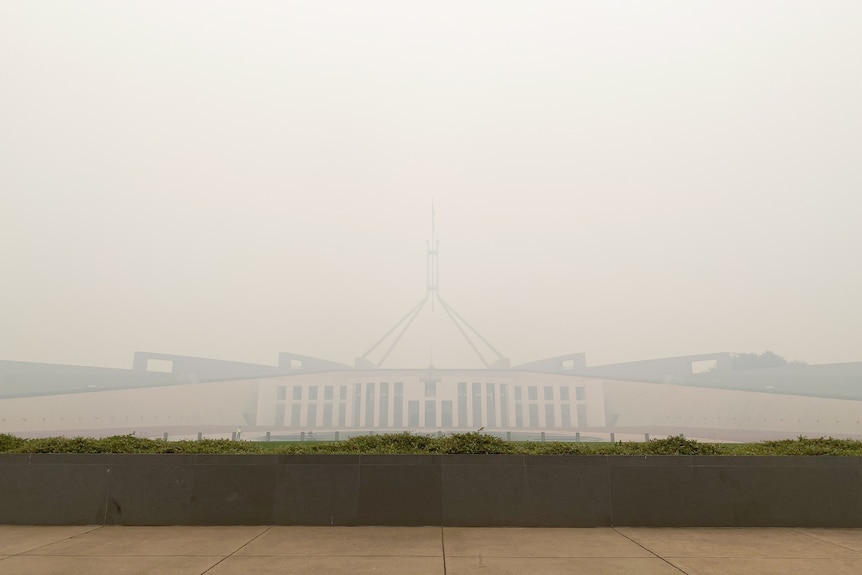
(342, 434)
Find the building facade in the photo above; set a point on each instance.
(382, 400)
(560, 396)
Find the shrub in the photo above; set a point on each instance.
(10, 443)
(411, 443)
(679, 445)
(473, 442)
(811, 446)
(113, 444)
(405, 442)
(123, 444)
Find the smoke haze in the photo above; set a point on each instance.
(631, 180)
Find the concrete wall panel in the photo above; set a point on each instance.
(56, 490)
(457, 490)
(234, 490)
(317, 490)
(484, 490)
(151, 492)
(400, 490)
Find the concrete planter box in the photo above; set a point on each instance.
(455, 490)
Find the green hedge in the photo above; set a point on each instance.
(410, 443)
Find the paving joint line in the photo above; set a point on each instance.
(653, 553)
(94, 528)
(766, 557)
(312, 556)
(443, 547)
(132, 555)
(237, 550)
(557, 556)
(796, 530)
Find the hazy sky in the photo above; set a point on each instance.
(233, 179)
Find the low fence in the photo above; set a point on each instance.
(340, 435)
(452, 490)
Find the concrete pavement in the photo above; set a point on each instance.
(73, 550)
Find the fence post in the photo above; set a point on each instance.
(646, 436)
(543, 436)
(578, 436)
(268, 435)
(165, 437)
(613, 437)
(200, 435)
(508, 436)
(302, 436)
(336, 436)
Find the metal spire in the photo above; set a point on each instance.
(432, 270)
(432, 285)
